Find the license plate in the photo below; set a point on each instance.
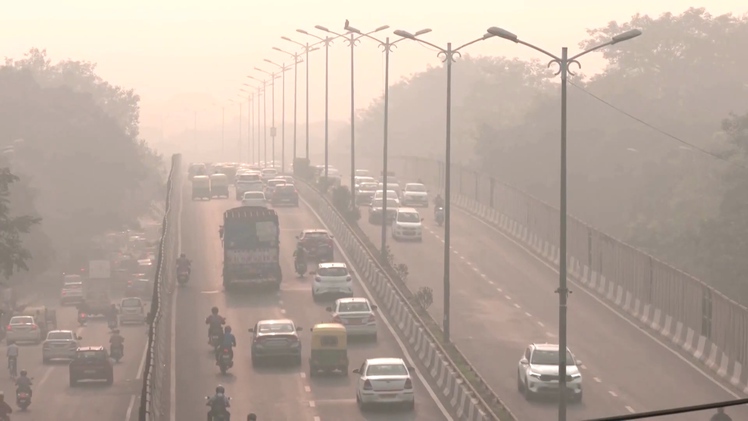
(90, 372)
(355, 321)
(388, 395)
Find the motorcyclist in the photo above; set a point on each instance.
(12, 353)
(229, 342)
(720, 415)
(184, 263)
(219, 403)
(215, 323)
(299, 254)
(112, 315)
(117, 341)
(5, 409)
(438, 201)
(23, 383)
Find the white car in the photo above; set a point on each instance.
(384, 381)
(415, 194)
(357, 315)
(132, 310)
(23, 329)
(407, 225)
(60, 344)
(391, 194)
(255, 199)
(362, 173)
(332, 280)
(537, 373)
(269, 174)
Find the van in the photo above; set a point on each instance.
(407, 225)
(201, 187)
(219, 186)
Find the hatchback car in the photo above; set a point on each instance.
(384, 381)
(415, 194)
(270, 186)
(132, 310)
(332, 280)
(537, 373)
(255, 199)
(365, 193)
(268, 174)
(318, 244)
(357, 315)
(72, 293)
(23, 329)
(285, 194)
(91, 363)
(275, 339)
(377, 214)
(60, 344)
(407, 225)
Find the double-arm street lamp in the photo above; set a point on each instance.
(296, 61)
(327, 41)
(352, 39)
(250, 102)
(563, 63)
(307, 48)
(449, 54)
(283, 68)
(264, 120)
(387, 47)
(239, 141)
(273, 76)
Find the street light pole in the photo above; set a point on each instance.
(307, 48)
(563, 291)
(449, 55)
(352, 40)
(283, 68)
(296, 61)
(223, 132)
(387, 47)
(272, 112)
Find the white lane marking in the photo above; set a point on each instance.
(550, 335)
(541, 324)
(283, 311)
(630, 409)
(516, 305)
(173, 368)
(528, 314)
(597, 379)
(613, 310)
(583, 367)
(45, 377)
(316, 418)
(507, 297)
(307, 389)
(128, 414)
(386, 321)
(311, 404)
(490, 282)
(612, 393)
(141, 367)
(499, 289)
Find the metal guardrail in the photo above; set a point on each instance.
(405, 296)
(155, 398)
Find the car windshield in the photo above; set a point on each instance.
(254, 195)
(315, 235)
(276, 328)
(408, 217)
(415, 187)
(22, 320)
(353, 307)
(73, 285)
(549, 357)
(332, 271)
(387, 370)
(91, 355)
(56, 336)
(269, 172)
(131, 302)
(285, 189)
(274, 183)
(391, 203)
(368, 186)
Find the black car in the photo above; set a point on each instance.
(91, 363)
(318, 244)
(276, 339)
(285, 194)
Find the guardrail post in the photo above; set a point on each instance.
(462, 175)
(491, 183)
(651, 280)
(589, 248)
(477, 185)
(706, 312)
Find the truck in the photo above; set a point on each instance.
(251, 248)
(96, 287)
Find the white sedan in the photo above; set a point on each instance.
(254, 199)
(384, 381)
(357, 315)
(331, 280)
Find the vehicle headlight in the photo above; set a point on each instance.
(531, 374)
(576, 376)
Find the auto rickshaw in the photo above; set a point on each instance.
(219, 185)
(201, 187)
(329, 349)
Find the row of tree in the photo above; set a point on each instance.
(74, 166)
(657, 141)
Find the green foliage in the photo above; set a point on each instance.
(341, 199)
(13, 255)
(424, 297)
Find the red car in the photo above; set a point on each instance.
(91, 363)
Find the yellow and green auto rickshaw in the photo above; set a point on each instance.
(329, 349)
(219, 185)
(200, 187)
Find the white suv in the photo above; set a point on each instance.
(332, 280)
(538, 372)
(407, 225)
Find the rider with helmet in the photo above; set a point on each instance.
(23, 383)
(117, 341)
(228, 343)
(112, 315)
(184, 263)
(215, 323)
(5, 409)
(438, 201)
(219, 403)
(299, 255)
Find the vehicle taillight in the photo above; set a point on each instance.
(408, 384)
(367, 385)
(337, 319)
(226, 351)
(64, 293)
(10, 327)
(372, 318)
(330, 242)
(348, 279)
(317, 279)
(34, 327)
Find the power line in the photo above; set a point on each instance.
(655, 128)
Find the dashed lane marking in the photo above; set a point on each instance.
(307, 389)
(630, 409)
(312, 404)
(597, 379)
(612, 393)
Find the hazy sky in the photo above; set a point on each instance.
(186, 55)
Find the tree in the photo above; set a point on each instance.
(13, 256)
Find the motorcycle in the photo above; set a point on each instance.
(112, 324)
(215, 341)
(23, 399)
(225, 416)
(301, 267)
(82, 318)
(225, 361)
(439, 213)
(116, 353)
(183, 275)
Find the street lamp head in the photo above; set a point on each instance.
(322, 28)
(382, 28)
(404, 34)
(278, 49)
(423, 31)
(286, 39)
(349, 28)
(267, 61)
(301, 31)
(259, 70)
(313, 49)
(633, 33)
(503, 33)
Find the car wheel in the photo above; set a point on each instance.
(373, 337)
(110, 380)
(73, 382)
(45, 360)
(360, 403)
(520, 386)
(578, 398)
(255, 361)
(410, 406)
(297, 361)
(527, 393)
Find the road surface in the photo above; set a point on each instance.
(275, 392)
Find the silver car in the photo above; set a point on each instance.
(357, 315)
(72, 293)
(60, 344)
(131, 311)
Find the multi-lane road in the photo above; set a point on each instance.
(274, 392)
(54, 399)
(503, 299)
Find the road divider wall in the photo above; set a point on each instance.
(468, 397)
(688, 314)
(155, 399)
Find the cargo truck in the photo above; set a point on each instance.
(96, 287)
(251, 249)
